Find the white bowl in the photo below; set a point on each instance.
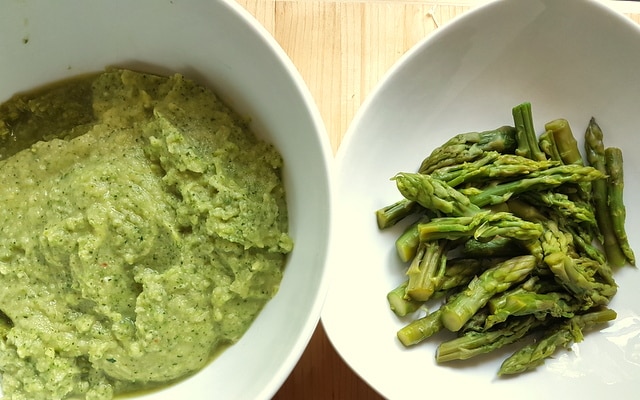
(219, 44)
(571, 59)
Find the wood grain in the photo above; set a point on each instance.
(342, 49)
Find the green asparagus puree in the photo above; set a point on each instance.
(143, 228)
(510, 235)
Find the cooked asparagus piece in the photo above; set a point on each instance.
(492, 166)
(499, 246)
(466, 147)
(426, 270)
(594, 147)
(525, 133)
(525, 210)
(540, 180)
(466, 219)
(437, 195)
(617, 210)
(563, 335)
(462, 148)
(434, 194)
(390, 215)
(583, 242)
(420, 329)
(476, 323)
(581, 238)
(474, 343)
(569, 153)
(407, 243)
(456, 174)
(547, 144)
(494, 280)
(524, 302)
(458, 272)
(557, 255)
(565, 141)
(400, 303)
(484, 225)
(562, 205)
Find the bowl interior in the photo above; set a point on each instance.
(570, 59)
(219, 44)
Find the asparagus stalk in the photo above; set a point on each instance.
(426, 270)
(547, 144)
(523, 302)
(474, 343)
(499, 246)
(407, 243)
(594, 147)
(583, 244)
(466, 147)
(492, 166)
(438, 196)
(434, 194)
(540, 180)
(420, 329)
(557, 256)
(466, 220)
(391, 214)
(494, 280)
(617, 210)
(459, 173)
(458, 272)
(563, 335)
(568, 151)
(476, 323)
(525, 133)
(562, 205)
(400, 303)
(581, 239)
(565, 141)
(484, 225)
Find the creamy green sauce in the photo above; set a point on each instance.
(142, 228)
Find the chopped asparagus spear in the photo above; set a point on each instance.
(492, 166)
(540, 180)
(499, 246)
(400, 304)
(390, 215)
(426, 270)
(565, 141)
(407, 243)
(617, 210)
(594, 147)
(547, 144)
(434, 194)
(524, 302)
(474, 343)
(525, 133)
(494, 280)
(484, 225)
(469, 146)
(557, 256)
(562, 335)
(420, 329)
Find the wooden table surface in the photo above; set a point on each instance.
(342, 48)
